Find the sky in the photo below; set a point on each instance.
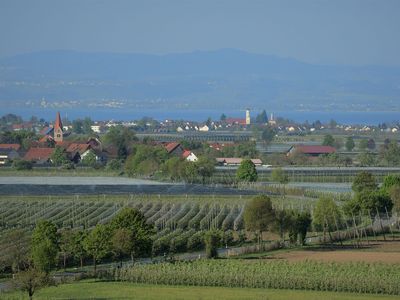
(351, 32)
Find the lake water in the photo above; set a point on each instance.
(343, 117)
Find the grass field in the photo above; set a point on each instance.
(120, 290)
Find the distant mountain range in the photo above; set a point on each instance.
(225, 78)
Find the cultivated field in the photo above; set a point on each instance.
(386, 252)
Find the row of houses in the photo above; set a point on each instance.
(76, 152)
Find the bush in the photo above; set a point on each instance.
(196, 242)
(22, 165)
(114, 165)
(212, 239)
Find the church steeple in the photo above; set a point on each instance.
(58, 129)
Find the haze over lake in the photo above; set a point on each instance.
(342, 117)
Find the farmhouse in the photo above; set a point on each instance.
(310, 150)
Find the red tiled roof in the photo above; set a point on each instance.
(81, 148)
(64, 144)
(38, 154)
(186, 153)
(16, 147)
(171, 146)
(311, 149)
(236, 121)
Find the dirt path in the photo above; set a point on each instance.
(387, 252)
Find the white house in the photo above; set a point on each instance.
(204, 128)
(189, 156)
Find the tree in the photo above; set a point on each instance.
(326, 215)
(120, 137)
(140, 231)
(299, 225)
(31, 281)
(391, 154)
(302, 224)
(338, 144)
(174, 168)
(205, 167)
(394, 193)
(77, 126)
(223, 118)
(17, 252)
(268, 134)
(389, 181)
(145, 160)
(363, 144)
(374, 201)
(364, 181)
(283, 222)
(371, 144)
(332, 124)
(190, 172)
(87, 125)
(97, 243)
(44, 248)
(90, 159)
(247, 171)
(122, 243)
(259, 215)
(279, 175)
(59, 157)
(350, 144)
(79, 252)
(366, 159)
(66, 245)
(211, 240)
(328, 140)
(262, 118)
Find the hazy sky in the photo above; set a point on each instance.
(320, 31)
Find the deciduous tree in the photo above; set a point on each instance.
(45, 245)
(98, 243)
(364, 181)
(247, 171)
(259, 215)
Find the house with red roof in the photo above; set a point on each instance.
(189, 156)
(236, 121)
(174, 148)
(311, 150)
(39, 155)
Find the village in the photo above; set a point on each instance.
(266, 141)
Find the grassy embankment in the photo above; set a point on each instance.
(122, 290)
